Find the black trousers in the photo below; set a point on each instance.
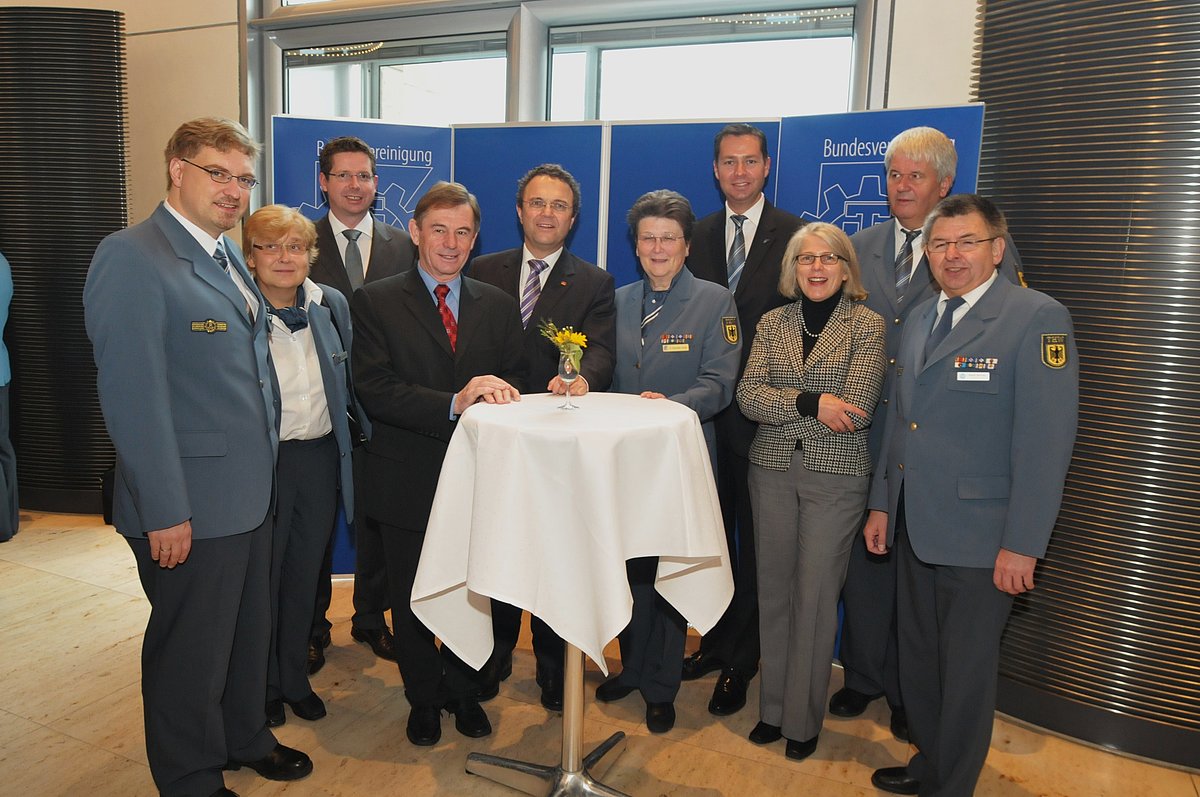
(652, 644)
(548, 647)
(735, 638)
(306, 502)
(10, 513)
(869, 652)
(204, 660)
(432, 675)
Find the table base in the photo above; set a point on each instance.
(545, 781)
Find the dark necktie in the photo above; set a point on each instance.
(737, 253)
(944, 325)
(532, 290)
(354, 264)
(448, 320)
(904, 261)
(222, 259)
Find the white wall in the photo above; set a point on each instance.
(932, 52)
(182, 62)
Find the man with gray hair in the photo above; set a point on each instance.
(920, 164)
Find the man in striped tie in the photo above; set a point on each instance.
(551, 284)
(920, 165)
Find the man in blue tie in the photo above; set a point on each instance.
(978, 436)
(550, 284)
(179, 334)
(741, 248)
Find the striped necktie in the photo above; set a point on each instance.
(904, 261)
(532, 290)
(737, 253)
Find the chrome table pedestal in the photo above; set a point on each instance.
(571, 778)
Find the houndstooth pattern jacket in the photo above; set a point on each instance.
(847, 361)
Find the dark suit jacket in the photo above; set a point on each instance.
(577, 294)
(392, 252)
(405, 376)
(184, 382)
(757, 291)
(876, 250)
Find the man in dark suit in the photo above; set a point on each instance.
(352, 248)
(920, 163)
(740, 247)
(978, 438)
(180, 340)
(550, 284)
(428, 344)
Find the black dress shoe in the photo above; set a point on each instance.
(699, 665)
(322, 640)
(660, 717)
(729, 695)
(895, 780)
(380, 640)
(765, 734)
(275, 715)
(551, 682)
(899, 723)
(424, 726)
(613, 690)
(469, 717)
(847, 702)
(310, 708)
(223, 792)
(316, 657)
(282, 763)
(798, 751)
(493, 672)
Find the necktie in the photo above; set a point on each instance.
(354, 264)
(221, 258)
(944, 325)
(294, 318)
(904, 261)
(448, 320)
(737, 253)
(532, 290)
(656, 301)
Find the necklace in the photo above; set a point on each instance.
(804, 326)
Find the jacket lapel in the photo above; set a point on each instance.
(423, 309)
(556, 288)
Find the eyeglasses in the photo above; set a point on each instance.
(363, 177)
(277, 249)
(539, 204)
(670, 239)
(965, 246)
(222, 176)
(826, 258)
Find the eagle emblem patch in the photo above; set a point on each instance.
(729, 324)
(1054, 350)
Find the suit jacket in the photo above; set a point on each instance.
(184, 382)
(847, 361)
(757, 290)
(577, 294)
(329, 320)
(876, 250)
(405, 375)
(392, 252)
(699, 371)
(981, 434)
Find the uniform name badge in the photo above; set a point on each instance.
(974, 369)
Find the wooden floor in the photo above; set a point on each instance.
(71, 620)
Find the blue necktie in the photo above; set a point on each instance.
(944, 326)
(737, 253)
(532, 290)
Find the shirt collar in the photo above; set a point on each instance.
(206, 241)
(753, 213)
(366, 225)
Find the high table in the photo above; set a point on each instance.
(540, 507)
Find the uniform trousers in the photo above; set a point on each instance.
(204, 660)
(805, 524)
(306, 487)
(949, 620)
(652, 644)
(10, 513)
(432, 675)
(869, 646)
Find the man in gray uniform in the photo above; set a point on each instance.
(978, 438)
(920, 164)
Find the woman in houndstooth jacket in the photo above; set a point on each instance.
(815, 365)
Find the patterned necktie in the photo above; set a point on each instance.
(656, 299)
(737, 253)
(221, 258)
(354, 264)
(448, 320)
(532, 290)
(944, 325)
(904, 261)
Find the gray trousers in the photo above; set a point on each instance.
(804, 525)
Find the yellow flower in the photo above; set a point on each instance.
(566, 339)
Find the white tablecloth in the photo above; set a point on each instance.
(540, 507)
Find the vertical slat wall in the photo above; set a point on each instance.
(1092, 147)
(63, 146)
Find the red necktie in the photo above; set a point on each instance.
(448, 320)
